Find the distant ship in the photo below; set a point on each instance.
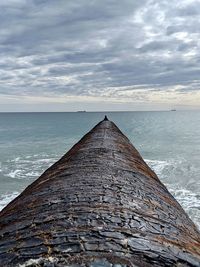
(173, 109)
(81, 111)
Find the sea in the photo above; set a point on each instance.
(169, 142)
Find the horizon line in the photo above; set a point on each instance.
(92, 111)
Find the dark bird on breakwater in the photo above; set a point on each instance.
(99, 205)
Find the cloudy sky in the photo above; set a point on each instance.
(67, 55)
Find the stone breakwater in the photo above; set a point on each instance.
(99, 205)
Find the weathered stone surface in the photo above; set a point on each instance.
(99, 205)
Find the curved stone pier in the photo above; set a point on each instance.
(99, 205)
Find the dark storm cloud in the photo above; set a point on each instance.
(98, 48)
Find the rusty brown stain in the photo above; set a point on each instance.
(100, 203)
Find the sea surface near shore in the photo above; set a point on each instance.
(168, 141)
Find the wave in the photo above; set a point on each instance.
(189, 200)
(168, 172)
(7, 198)
(27, 167)
(157, 165)
(14, 174)
(22, 173)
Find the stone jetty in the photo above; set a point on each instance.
(100, 205)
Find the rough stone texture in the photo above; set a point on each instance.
(99, 205)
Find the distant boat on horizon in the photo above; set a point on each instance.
(173, 109)
(81, 111)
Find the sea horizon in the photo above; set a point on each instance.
(100, 111)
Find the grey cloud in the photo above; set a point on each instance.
(157, 45)
(84, 47)
(190, 10)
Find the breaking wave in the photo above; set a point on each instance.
(27, 167)
(7, 198)
(168, 172)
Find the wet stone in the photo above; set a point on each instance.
(68, 247)
(93, 246)
(100, 263)
(7, 245)
(110, 246)
(139, 244)
(31, 242)
(55, 241)
(134, 224)
(114, 235)
(33, 251)
(115, 219)
(3, 257)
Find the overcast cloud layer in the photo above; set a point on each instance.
(126, 54)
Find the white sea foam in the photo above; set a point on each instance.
(158, 165)
(45, 160)
(26, 167)
(6, 198)
(14, 174)
(168, 171)
(32, 174)
(189, 200)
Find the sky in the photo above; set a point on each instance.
(95, 55)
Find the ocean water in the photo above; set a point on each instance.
(168, 141)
